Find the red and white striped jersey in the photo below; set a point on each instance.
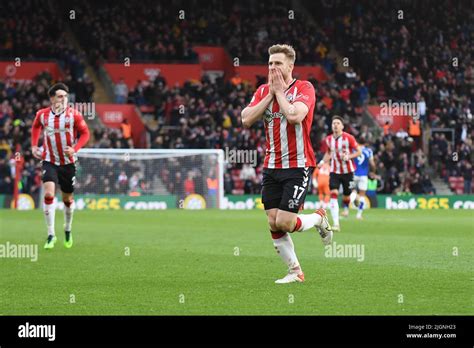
(345, 143)
(59, 131)
(287, 145)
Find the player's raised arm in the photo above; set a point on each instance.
(254, 111)
(35, 134)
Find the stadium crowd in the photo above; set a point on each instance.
(404, 56)
(246, 28)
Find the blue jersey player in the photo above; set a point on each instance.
(365, 162)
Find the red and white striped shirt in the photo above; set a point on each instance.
(59, 131)
(288, 145)
(344, 144)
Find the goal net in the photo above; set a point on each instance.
(189, 179)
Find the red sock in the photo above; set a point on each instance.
(277, 235)
(297, 225)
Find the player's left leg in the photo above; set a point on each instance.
(334, 183)
(292, 189)
(347, 186)
(50, 180)
(67, 179)
(295, 187)
(68, 200)
(49, 211)
(285, 248)
(271, 196)
(287, 221)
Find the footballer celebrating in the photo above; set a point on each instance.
(286, 106)
(342, 148)
(61, 126)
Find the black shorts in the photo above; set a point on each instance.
(64, 175)
(347, 181)
(285, 189)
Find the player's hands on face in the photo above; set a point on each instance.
(69, 151)
(277, 80)
(36, 151)
(270, 82)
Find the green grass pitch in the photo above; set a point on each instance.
(186, 263)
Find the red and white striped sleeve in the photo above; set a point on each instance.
(259, 94)
(81, 129)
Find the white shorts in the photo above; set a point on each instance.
(361, 182)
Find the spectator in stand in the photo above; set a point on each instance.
(416, 186)
(466, 171)
(421, 107)
(236, 80)
(189, 185)
(5, 150)
(427, 185)
(414, 131)
(212, 183)
(134, 182)
(122, 182)
(126, 128)
(121, 92)
(249, 176)
(402, 133)
(393, 182)
(228, 184)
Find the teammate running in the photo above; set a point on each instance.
(61, 125)
(342, 148)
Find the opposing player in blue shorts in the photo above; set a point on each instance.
(365, 162)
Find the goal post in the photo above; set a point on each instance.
(187, 178)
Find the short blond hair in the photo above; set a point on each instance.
(287, 50)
